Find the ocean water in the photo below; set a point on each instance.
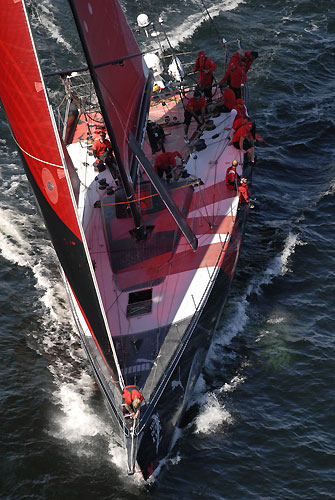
(261, 423)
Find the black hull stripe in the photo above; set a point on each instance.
(71, 254)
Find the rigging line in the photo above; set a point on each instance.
(112, 62)
(219, 151)
(205, 217)
(155, 364)
(107, 250)
(195, 183)
(100, 122)
(87, 116)
(218, 154)
(210, 18)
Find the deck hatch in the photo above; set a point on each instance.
(139, 303)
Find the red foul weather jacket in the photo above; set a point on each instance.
(243, 190)
(205, 66)
(231, 178)
(130, 393)
(101, 147)
(166, 160)
(242, 132)
(229, 98)
(247, 60)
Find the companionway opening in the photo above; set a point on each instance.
(139, 302)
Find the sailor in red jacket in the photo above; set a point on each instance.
(241, 111)
(132, 399)
(249, 57)
(235, 76)
(102, 151)
(165, 163)
(244, 141)
(101, 145)
(232, 176)
(238, 122)
(243, 190)
(235, 59)
(195, 108)
(228, 99)
(206, 67)
(244, 59)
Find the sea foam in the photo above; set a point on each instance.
(213, 413)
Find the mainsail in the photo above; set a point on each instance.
(46, 162)
(107, 36)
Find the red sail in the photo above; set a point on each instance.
(24, 98)
(109, 37)
(25, 101)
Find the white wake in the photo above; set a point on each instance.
(213, 414)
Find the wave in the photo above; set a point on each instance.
(77, 420)
(44, 11)
(212, 409)
(213, 415)
(187, 28)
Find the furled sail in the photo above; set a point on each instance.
(23, 95)
(107, 37)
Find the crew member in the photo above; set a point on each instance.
(206, 67)
(156, 137)
(195, 108)
(244, 59)
(244, 141)
(238, 122)
(165, 163)
(254, 134)
(243, 190)
(232, 176)
(102, 151)
(249, 57)
(235, 76)
(228, 99)
(236, 59)
(132, 400)
(101, 146)
(241, 111)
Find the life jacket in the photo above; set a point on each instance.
(131, 392)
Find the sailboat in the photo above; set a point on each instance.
(146, 260)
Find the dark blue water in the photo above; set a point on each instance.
(262, 423)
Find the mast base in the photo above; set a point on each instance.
(141, 233)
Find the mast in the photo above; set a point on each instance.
(165, 197)
(140, 231)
